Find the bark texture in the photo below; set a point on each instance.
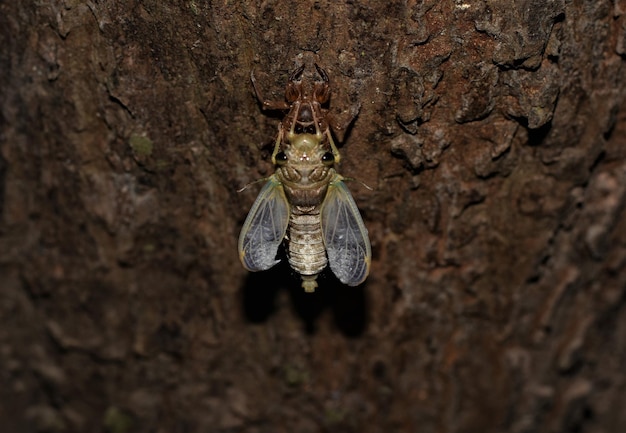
(492, 132)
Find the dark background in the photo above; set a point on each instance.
(493, 134)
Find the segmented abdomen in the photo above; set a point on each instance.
(307, 254)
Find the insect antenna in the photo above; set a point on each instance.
(352, 179)
(242, 189)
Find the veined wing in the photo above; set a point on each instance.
(345, 235)
(264, 228)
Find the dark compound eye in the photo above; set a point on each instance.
(328, 158)
(281, 158)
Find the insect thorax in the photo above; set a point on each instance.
(304, 177)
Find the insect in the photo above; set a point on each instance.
(305, 203)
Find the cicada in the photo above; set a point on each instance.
(305, 203)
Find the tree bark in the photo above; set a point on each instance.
(492, 132)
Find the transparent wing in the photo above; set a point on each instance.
(264, 228)
(345, 235)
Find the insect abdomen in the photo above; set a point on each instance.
(307, 254)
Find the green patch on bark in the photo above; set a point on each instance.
(141, 145)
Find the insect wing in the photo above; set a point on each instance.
(345, 235)
(264, 228)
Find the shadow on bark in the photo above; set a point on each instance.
(348, 304)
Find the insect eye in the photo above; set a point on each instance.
(328, 159)
(293, 91)
(321, 92)
(281, 158)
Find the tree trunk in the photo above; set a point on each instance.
(493, 134)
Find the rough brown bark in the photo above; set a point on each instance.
(493, 133)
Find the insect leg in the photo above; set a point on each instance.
(267, 104)
(296, 74)
(333, 148)
(321, 90)
(279, 139)
(295, 109)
